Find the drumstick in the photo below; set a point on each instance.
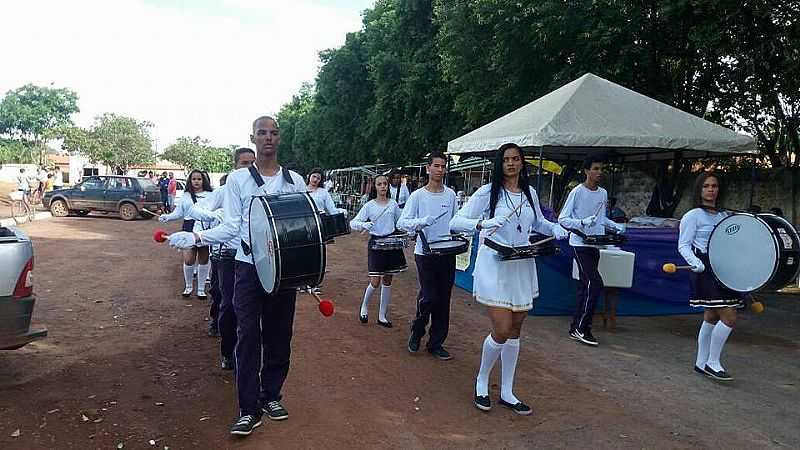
(543, 241)
(325, 306)
(513, 211)
(672, 268)
(149, 212)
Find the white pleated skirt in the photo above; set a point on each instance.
(511, 285)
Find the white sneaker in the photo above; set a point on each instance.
(187, 292)
(201, 294)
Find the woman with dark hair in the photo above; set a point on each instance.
(505, 212)
(198, 187)
(322, 198)
(719, 303)
(379, 217)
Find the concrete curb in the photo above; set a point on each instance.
(42, 215)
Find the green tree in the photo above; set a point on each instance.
(34, 114)
(15, 151)
(116, 141)
(196, 153)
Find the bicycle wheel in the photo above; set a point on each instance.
(19, 211)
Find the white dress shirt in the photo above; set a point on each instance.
(323, 201)
(583, 202)
(403, 194)
(383, 216)
(695, 230)
(423, 203)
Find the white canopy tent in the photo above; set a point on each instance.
(594, 113)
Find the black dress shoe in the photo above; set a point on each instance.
(520, 408)
(226, 363)
(720, 376)
(483, 403)
(413, 343)
(363, 319)
(387, 324)
(700, 371)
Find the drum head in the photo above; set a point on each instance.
(743, 252)
(446, 244)
(262, 245)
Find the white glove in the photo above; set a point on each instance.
(182, 240)
(620, 227)
(589, 221)
(495, 222)
(367, 226)
(163, 218)
(560, 233)
(698, 267)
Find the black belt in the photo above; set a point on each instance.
(225, 253)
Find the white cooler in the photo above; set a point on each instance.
(616, 267)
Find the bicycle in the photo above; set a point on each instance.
(21, 210)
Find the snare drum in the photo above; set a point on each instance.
(507, 253)
(334, 225)
(750, 252)
(385, 254)
(389, 243)
(455, 245)
(286, 241)
(604, 239)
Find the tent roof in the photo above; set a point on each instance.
(591, 113)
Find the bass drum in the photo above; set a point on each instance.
(751, 252)
(286, 241)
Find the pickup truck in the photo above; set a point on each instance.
(16, 290)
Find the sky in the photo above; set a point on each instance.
(193, 68)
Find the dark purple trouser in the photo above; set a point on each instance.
(214, 292)
(265, 333)
(436, 275)
(590, 286)
(226, 320)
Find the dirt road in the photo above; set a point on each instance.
(128, 361)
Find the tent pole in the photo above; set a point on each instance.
(539, 175)
(550, 199)
(752, 182)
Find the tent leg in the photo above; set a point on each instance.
(539, 174)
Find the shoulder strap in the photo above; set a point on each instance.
(287, 176)
(256, 176)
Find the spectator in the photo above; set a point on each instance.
(172, 190)
(163, 186)
(22, 181)
(58, 179)
(49, 184)
(615, 213)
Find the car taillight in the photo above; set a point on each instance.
(24, 287)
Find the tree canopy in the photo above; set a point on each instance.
(196, 153)
(420, 73)
(114, 140)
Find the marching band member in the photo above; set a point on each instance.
(322, 198)
(223, 317)
(509, 208)
(265, 321)
(198, 187)
(397, 189)
(585, 211)
(719, 303)
(379, 217)
(429, 211)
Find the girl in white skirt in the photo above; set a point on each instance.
(197, 189)
(507, 288)
(379, 217)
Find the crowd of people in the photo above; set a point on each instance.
(35, 183)
(255, 326)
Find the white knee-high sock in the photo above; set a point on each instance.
(202, 274)
(188, 272)
(508, 364)
(386, 298)
(365, 302)
(718, 337)
(703, 343)
(491, 351)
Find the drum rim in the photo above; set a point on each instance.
(775, 244)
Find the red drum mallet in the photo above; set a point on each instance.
(160, 235)
(326, 307)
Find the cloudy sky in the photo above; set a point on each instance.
(194, 68)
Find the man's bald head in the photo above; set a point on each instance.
(264, 118)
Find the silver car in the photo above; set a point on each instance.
(16, 290)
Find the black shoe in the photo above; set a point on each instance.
(700, 371)
(387, 324)
(483, 403)
(245, 425)
(573, 334)
(413, 343)
(721, 375)
(586, 337)
(226, 363)
(440, 353)
(363, 319)
(520, 408)
(275, 411)
(213, 330)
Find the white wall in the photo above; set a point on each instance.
(9, 172)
